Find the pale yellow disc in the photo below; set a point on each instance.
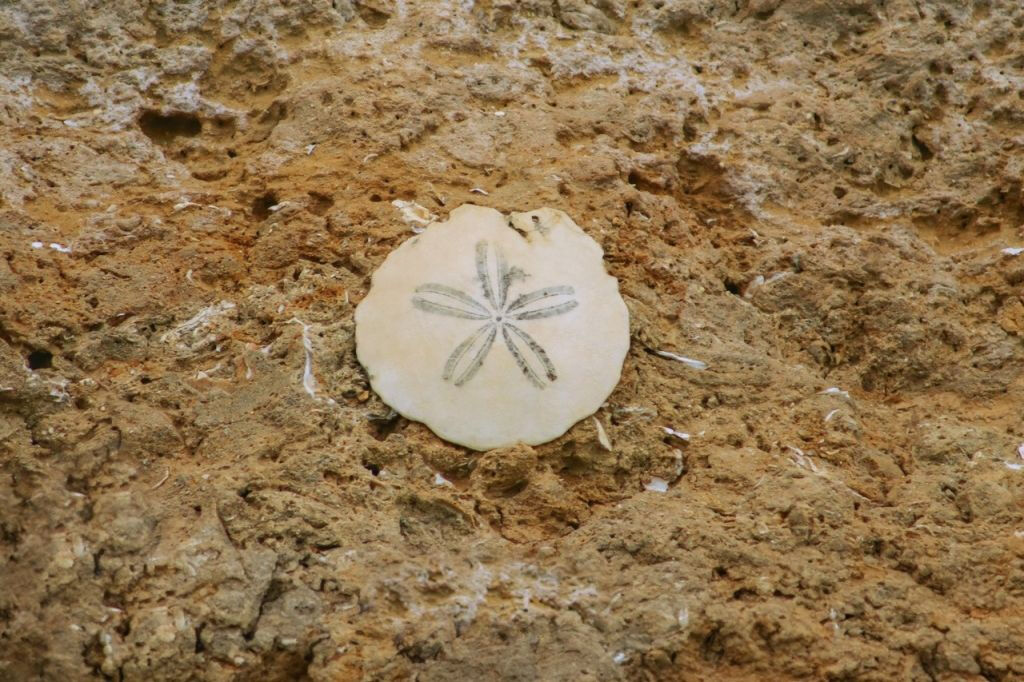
(494, 330)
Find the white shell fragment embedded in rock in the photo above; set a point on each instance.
(490, 337)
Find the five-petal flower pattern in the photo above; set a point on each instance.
(498, 315)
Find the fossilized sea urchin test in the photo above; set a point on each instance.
(494, 330)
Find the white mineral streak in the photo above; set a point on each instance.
(493, 338)
(802, 460)
(602, 436)
(415, 215)
(53, 245)
(308, 379)
(689, 362)
(754, 283)
(657, 485)
(198, 322)
(677, 434)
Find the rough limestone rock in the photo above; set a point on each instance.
(812, 465)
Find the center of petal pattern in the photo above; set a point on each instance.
(496, 281)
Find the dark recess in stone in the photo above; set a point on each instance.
(261, 205)
(163, 129)
(40, 359)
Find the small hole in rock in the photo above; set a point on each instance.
(165, 128)
(40, 359)
(922, 149)
(374, 18)
(382, 426)
(374, 197)
(319, 203)
(261, 206)
(224, 124)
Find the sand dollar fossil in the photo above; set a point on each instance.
(494, 330)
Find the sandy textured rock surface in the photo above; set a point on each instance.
(813, 197)
(494, 330)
